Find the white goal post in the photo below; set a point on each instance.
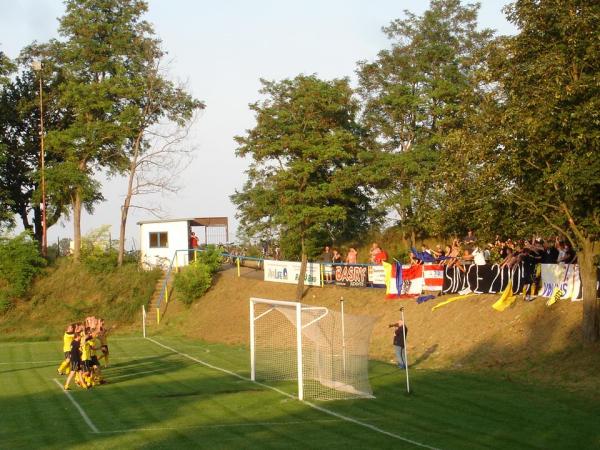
(324, 351)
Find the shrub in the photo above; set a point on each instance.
(210, 258)
(20, 261)
(192, 282)
(98, 260)
(5, 303)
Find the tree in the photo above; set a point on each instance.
(544, 142)
(412, 98)
(305, 177)
(20, 140)
(106, 46)
(153, 148)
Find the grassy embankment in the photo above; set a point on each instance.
(67, 292)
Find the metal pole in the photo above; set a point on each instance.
(299, 351)
(144, 321)
(252, 356)
(43, 164)
(405, 355)
(343, 338)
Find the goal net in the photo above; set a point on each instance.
(325, 351)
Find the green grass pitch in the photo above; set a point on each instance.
(159, 398)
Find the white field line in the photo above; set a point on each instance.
(312, 405)
(79, 408)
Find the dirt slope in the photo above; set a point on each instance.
(468, 334)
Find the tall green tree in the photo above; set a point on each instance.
(539, 132)
(412, 96)
(105, 45)
(20, 140)
(305, 178)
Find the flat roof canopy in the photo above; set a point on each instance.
(194, 221)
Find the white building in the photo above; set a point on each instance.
(163, 241)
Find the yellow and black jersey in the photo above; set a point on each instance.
(67, 339)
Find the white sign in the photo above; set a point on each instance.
(289, 272)
(376, 276)
(562, 276)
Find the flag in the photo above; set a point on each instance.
(433, 274)
(450, 300)
(403, 282)
(506, 299)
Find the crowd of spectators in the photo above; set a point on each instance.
(507, 252)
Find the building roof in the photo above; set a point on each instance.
(193, 221)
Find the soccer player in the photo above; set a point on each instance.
(102, 335)
(86, 358)
(64, 369)
(75, 358)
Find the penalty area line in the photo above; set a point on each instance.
(312, 405)
(78, 407)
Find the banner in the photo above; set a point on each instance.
(564, 277)
(488, 279)
(403, 280)
(376, 276)
(289, 272)
(351, 275)
(433, 275)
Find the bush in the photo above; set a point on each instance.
(100, 261)
(210, 258)
(192, 282)
(20, 261)
(5, 303)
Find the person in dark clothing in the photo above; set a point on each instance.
(75, 357)
(550, 254)
(401, 331)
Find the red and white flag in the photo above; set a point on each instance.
(434, 277)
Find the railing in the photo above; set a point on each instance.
(235, 259)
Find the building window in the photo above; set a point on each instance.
(159, 239)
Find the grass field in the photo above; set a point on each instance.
(162, 396)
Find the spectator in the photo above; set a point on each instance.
(380, 256)
(352, 256)
(193, 240)
(478, 256)
(570, 255)
(336, 257)
(550, 254)
(375, 250)
(470, 237)
(326, 258)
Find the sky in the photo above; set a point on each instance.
(220, 50)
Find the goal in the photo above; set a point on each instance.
(325, 351)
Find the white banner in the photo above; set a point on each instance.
(289, 272)
(376, 276)
(562, 276)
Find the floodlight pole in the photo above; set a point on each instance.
(37, 66)
(405, 354)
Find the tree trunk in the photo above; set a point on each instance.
(77, 225)
(127, 203)
(589, 281)
(124, 212)
(300, 287)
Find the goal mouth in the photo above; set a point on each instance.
(325, 351)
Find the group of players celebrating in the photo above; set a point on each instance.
(84, 345)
